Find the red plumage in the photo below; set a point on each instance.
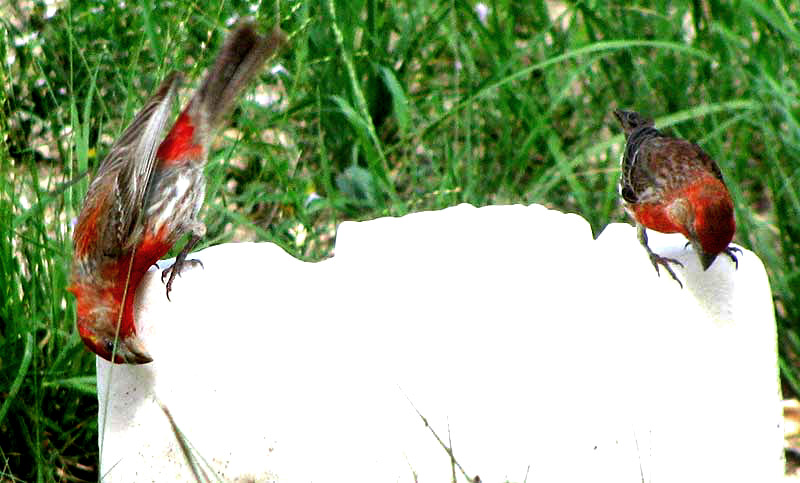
(672, 186)
(147, 195)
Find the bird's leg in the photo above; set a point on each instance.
(198, 230)
(655, 259)
(730, 252)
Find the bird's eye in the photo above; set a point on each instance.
(628, 194)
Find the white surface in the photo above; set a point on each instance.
(533, 350)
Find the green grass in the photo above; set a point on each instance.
(388, 108)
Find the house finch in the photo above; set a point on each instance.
(672, 186)
(143, 199)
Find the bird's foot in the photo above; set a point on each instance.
(664, 261)
(176, 269)
(181, 261)
(730, 252)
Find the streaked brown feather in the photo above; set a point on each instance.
(114, 203)
(654, 164)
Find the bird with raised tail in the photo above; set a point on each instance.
(147, 194)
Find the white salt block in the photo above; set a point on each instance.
(701, 362)
(534, 351)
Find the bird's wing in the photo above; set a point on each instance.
(708, 163)
(635, 162)
(111, 209)
(135, 151)
(665, 165)
(133, 156)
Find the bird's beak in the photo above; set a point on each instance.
(129, 351)
(132, 351)
(706, 259)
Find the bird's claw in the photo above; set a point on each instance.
(730, 252)
(176, 269)
(664, 261)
